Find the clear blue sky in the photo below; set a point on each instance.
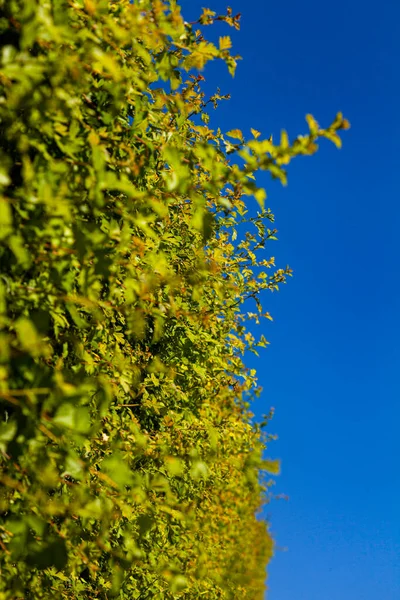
(333, 368)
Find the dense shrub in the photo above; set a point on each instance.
(130, 464)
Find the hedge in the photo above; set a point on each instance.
(131, 463)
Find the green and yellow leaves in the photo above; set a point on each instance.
(331, 132)
(131, 267)
(207, 16)
(178, 175)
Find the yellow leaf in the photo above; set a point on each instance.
(225, 42)
(236, 134)
(284, 140)
(93, 138)
(207, 17)
(340, 122)
(333, 137)
(61, 576)
(271, 466)
(312, 123)
(90, 7)
(208, 13)
(255, 132)
(260, 195)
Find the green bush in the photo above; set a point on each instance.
(130, 464)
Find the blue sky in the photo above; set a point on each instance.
(332, 370)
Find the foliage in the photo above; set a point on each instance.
(130, 464)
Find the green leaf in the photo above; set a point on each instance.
(28, 336)
(175, 466)
(7, 433)
(117, 469)
(5, 218)
(82, 420)
(19, 536)
(16, 245)
(65, 416)
(199, 470)
(178, 584)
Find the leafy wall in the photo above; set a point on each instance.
(130, 466)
